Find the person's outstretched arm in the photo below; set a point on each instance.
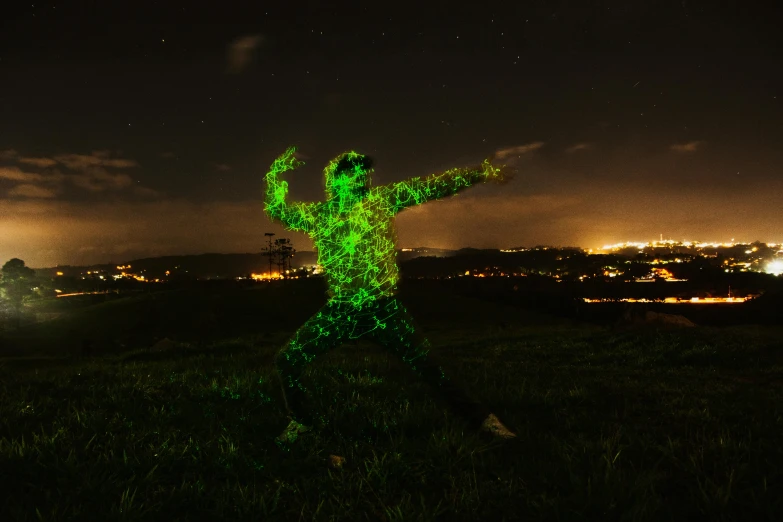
(295, 216)
(417, 190)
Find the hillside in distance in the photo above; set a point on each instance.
(214, 265)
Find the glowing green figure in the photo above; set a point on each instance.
(354, 235)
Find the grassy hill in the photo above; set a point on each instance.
(210, 311)
(644, 424)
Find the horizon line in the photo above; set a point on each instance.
(400, 249)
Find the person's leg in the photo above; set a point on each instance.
(395, 330)
(319, 334)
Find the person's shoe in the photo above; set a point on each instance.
(493, 425)
(336, 462)
(292, 432)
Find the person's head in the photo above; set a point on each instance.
(348, 177)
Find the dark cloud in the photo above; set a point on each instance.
(241, 52)
(17, 174)
(577, 147)
(146, 192)
(38, 162)
(690, 146)
(96, 159)
(516, 152)
(86, 171)
(32, 191)
(98, 179)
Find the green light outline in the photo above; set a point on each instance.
(354, 236)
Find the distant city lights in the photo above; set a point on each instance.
(671, 243)
(266, 276)
(758, 261)
(674, 300)
(775, 267)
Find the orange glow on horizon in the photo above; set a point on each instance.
(266, 276)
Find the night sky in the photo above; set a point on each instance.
(132, 129)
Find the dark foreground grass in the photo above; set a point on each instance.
(637, 425)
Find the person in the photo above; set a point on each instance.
(354, 235)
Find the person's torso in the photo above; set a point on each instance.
(356, 251)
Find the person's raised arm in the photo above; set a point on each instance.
(435, 186)
(295, 216)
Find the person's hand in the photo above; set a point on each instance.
(500, 174)
(287, 160)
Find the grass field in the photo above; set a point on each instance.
(642, 424)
